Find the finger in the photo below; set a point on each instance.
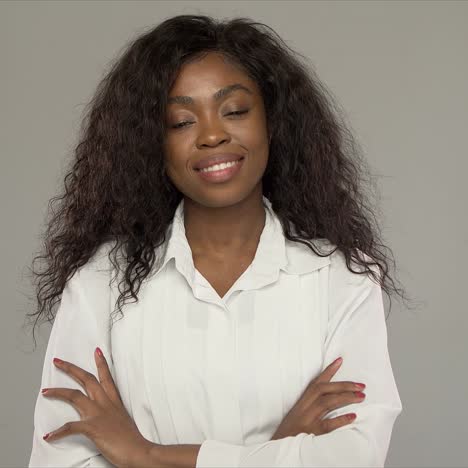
(328, 373)
(332, 402)
(105, 376)
(86, 379)
(325, 376)
(334, 423)
(69, 428)
(73, 396)
(325, 388)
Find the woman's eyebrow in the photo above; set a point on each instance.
(223, 92)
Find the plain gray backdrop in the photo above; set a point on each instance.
(400, 71)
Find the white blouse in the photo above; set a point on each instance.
(194, 368)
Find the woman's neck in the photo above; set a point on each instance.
(224, 231)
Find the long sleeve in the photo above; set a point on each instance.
(356, 331)
(81, 324)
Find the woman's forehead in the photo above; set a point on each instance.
(211, 72)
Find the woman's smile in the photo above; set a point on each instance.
(221, 172)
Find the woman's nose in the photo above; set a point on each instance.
(212, 135)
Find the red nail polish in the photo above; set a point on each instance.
(57, 361)
(44, 390)
(98, 349)
(46, 436)
(351, 416)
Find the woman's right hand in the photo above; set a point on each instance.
(320, 397)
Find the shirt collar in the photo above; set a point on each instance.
(274, 251)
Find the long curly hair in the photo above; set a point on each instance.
(117, 190)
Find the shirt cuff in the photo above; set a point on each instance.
(212, 451)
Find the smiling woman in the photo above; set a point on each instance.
(215, 185)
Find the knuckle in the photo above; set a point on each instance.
(87, 429)
(67, 427)
(75, 395)
(318, 387)
(326, 425)
(347, 398)
(324, 402)
(106, 381)
(333, 400)
(89, 378)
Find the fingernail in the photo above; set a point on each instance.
(46, 436)
(44, 390)
(338, 361)
(360, 385)
(351, 416)
(57, 361)
(98, 350)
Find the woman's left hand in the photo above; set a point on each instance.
(104, 418)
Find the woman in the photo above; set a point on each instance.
(214, 180)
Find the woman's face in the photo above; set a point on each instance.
(206, 128)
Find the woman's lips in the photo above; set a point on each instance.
(222, 175)
(219, 158)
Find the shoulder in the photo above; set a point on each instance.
(86, 296)
(330, 260)
(302, 259)
(340, 273)
(98, 267)
(352, 293)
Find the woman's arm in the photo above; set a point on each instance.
(180, 456)
(357, 332)
(80, 325)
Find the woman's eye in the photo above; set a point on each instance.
(183, 124)
(180, 124)
(239, 112)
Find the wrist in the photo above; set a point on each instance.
(172, 456)
(151, 456)
(145, 454)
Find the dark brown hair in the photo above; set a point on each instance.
(116, 189)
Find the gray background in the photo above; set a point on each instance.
(400, 71)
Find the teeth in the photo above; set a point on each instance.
(219, 167)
